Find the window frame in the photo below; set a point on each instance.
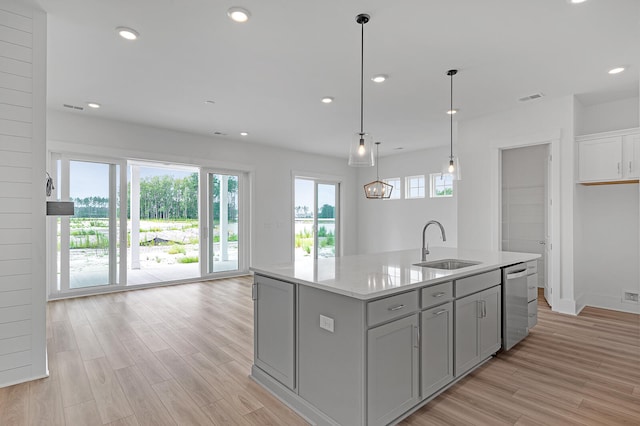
(432, 185)
(408, 187)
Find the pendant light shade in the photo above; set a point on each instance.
(361, 152)
(452, 167)
(377, 189)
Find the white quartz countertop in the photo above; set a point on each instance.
(374, 275)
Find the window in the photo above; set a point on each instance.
(414, 186)
(441, 185)
(316, 207)
(395, 192)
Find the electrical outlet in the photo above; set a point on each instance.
(630, 296)
(326, 323)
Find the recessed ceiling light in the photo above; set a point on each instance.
(244, 134)
(379, 78)
(452, 111)
(127, 33)
(327, 100)
(576, 1)
(93, 105)
(616, 70)
(238, 14)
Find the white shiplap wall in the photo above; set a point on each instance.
(22, 198)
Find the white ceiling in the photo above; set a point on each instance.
(267, 76)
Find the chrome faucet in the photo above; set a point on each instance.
(425, 246)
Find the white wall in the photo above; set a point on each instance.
(478, 203)
(22, 193)
(270, 168)
(607, 116)
(385, 225)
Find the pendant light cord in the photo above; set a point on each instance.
(378, 161)
(451, 114)
(362, 79)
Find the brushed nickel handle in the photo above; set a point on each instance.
(417, 345)
(618, 168)
(397, 308)
(532, 287)
(442, 293)
(435, 314)
(629, 166)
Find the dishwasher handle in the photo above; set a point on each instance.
(517, 274)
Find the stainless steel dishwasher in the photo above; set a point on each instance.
(515, 300)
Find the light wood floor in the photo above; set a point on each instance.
(181, 355)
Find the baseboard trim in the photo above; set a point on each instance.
(28, 379)
(611, 303)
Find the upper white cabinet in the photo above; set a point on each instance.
(631, 156)
(609, 157)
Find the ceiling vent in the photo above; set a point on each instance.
(219, 134)
(531, 97)
(79, 108)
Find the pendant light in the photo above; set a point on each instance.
(377, 189)
(453, 167)
(361, 153)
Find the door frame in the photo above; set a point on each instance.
(553, 201)
(318, 179)
(119, 270)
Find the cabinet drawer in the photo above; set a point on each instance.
(476, 283)
(392, 307)
(533, 314)
(532, 267)
(437, 294)
(532, 287)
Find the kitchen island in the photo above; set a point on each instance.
(369, 339)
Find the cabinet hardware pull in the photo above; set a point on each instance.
(532, 287)
(417, 345)
(254, 292)
(629, 166)
(532, 315)
(618, 168)
(396, 308)
(484, 309)
(442, 293)
(435, 314)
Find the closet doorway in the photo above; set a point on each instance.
(526, 206)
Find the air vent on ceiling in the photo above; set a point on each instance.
(79, 108)
(531, 97)
(219, 134)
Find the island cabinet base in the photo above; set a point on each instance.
(340, 360)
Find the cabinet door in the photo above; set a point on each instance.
(436, 360)
(600, 159)
(631, 156)
(490, 322)
(392, 371)
(274, 314)
(467, 336)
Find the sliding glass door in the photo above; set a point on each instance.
(316, 218)
(226, 228)
(88, 248)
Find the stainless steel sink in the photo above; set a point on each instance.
(447, 264)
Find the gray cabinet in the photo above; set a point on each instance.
(437, 348)
(392, 371)
(274, 336)
(478, 327)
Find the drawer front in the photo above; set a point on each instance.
(477, 283)
(533, 314)
(532, 267)
(392, 307)
(532, 287)
(437, 294)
